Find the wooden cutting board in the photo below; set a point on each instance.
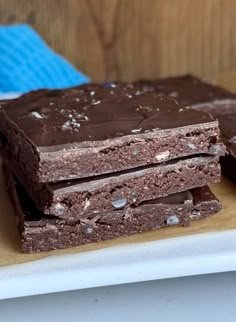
(10, 252)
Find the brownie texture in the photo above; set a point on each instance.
(40, 232)
(54, 133)
(80, 197)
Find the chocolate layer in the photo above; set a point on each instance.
(40, 232)
(55, 133)
(188, 90)
(77, 198)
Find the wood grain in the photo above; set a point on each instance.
(129, 39)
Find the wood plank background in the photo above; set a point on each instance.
(129, 39)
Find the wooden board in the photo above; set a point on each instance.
(128, 39)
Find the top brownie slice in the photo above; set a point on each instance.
(94, 129)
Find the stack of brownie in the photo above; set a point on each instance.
(98, 162)
(192, 91)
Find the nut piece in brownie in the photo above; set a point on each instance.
(40, 232)
(92, 129)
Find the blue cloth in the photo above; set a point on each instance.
(27, 63)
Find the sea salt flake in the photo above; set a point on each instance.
(145, 108)
(92, 93)
(136, 130)
(81, 117)
(71, 125)
(37, 115)
(95, 102)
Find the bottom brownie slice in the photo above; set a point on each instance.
(40, 232)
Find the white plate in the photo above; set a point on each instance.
(174, 257)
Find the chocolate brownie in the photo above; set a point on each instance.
(191, 91)
(40, 232)
(94, 129)
(77, 198)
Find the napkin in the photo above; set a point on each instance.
(27, 63)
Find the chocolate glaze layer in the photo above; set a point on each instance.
(94, 113)
(188, 90)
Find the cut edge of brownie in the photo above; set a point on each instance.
(82, 197)
(46, 233)
(126, 152)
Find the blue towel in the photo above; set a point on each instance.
(27, 63)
